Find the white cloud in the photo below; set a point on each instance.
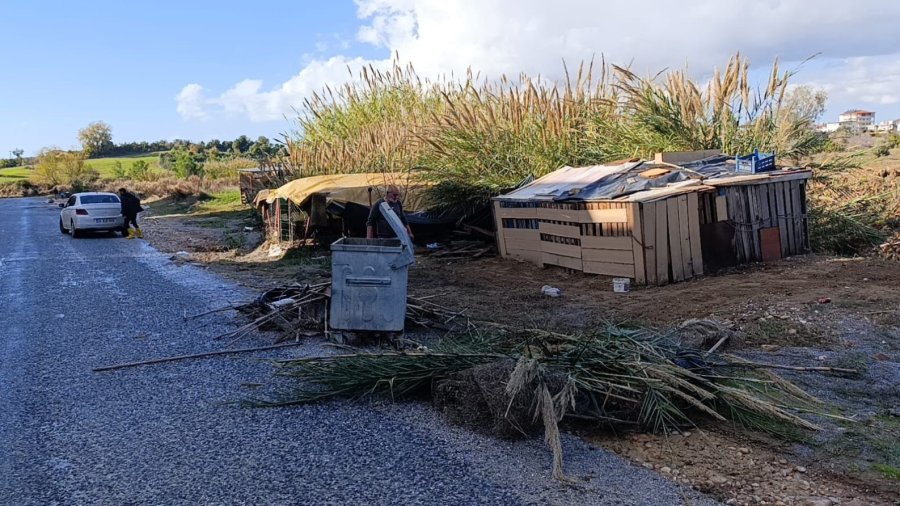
(191, 102)
(858, 41)
(870, 82)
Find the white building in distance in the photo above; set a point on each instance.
(855, 120)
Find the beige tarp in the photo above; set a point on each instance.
(352, 188)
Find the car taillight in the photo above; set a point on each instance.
(81, 212)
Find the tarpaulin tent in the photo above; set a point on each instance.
(312, 200)
(352, 188)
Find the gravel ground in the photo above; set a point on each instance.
(167, 434)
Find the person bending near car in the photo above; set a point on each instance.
(377, 225)
(131, 206)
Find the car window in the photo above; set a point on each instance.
(71, 201)
(99, 199)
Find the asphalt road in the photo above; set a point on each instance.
(167, 434)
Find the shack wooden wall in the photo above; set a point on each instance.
(594, 237)
(763, 222)
(662, 241)
(761, 213)
(671, 236)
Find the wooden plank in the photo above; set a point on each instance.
(789, 217)
(562, 261)
(762, 202)
(684, 233)
(668, 191)
(498, 226)
(754, 221)
(525, 234)
(583, 215)
(527, 256)
(523, 244)
(662, 244)
(613, 256)
(570, 215)
(773, 205)
(600, 242)
(804, 209)
(743, 212)
(528, 213)
(607, 269)
(794, 175)
(799, 234)
(605, 216)
(560, 230)
(675, 240)
(731, 194)
(637, 235)
(649, 215)
(682, 157)
(782, 221)
(566, 250)
(694, 230)
(721, 208)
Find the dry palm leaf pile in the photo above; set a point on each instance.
(301, 310)
(525, 381)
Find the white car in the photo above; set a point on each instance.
(91, 211)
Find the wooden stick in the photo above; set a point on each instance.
(211, 311)
(716, 346)
(196, 355)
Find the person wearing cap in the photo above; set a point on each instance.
(377, 225)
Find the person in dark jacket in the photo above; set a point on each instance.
(131, 206)
(377, 226)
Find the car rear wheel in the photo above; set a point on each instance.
(62, 229)
(75, 232)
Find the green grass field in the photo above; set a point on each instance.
(14, 173)
(106, 166)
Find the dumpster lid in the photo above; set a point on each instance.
(406, 257)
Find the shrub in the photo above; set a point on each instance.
(119, 170)
(851, 210)
(54, 167)
(226, 168)
(477, 137)
(139, 170)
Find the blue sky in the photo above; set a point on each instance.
(66, 65)
(202, 70)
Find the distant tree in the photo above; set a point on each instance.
(212, 152)
(48, 166)
(96, 139)
(261, 149)
(17, 154)
(55, 166)
(183, 163)
(240, 145)
(805, 103)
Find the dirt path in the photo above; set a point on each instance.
(811, 310)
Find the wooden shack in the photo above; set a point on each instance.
(655, 222)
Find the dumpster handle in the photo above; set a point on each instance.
(368, 281)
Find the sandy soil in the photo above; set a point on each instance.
(831, 311)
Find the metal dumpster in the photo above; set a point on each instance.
(369, 280)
